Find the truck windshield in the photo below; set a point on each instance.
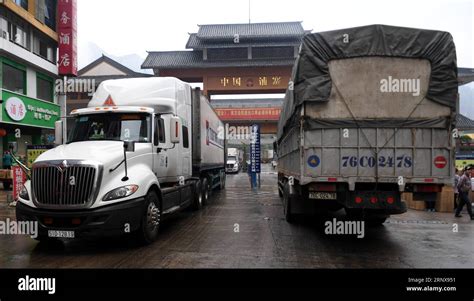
(114, 126)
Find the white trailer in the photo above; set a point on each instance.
(142, 150)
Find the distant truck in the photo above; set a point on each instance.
(233, 164)
(369, 114)
(143, 149)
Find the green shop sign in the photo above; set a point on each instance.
(19, 109)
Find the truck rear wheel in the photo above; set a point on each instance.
(206, 188)
(197, 202)
(222, 181)
(151, 219)
(289, 217)
(280, 193)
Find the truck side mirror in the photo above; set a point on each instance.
(58, 132)
(129, 146)
(175, 126)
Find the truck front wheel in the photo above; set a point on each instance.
(197, 203)
(151, 219)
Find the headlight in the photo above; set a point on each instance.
(121, 192)
(24, 194)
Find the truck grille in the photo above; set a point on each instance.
(63, 185)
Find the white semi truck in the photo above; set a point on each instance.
(233, 160)
(142, 150)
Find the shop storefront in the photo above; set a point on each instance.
(27, 121)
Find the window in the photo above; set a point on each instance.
(44, 88)
(14, 79)
(227, 53)
(50, 14)
(159, 136)
(113, 127)
(272, 52)
(185, 137)
(18, 35)
(40, 10)
(44, 49)
(46, 12)
(22, 3)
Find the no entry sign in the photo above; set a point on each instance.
(440, 162)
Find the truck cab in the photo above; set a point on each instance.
(126, 164)
(233, 161)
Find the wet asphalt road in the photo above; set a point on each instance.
(207, 239)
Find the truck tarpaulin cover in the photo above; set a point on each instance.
(312, 81)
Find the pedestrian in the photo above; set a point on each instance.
(456, 190)
(464, 186)
(7, 160)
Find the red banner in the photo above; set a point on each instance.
(19, 178)
(249, 114)
(67, 34)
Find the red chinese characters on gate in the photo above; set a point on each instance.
(67, 35)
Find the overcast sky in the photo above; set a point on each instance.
(122, 27)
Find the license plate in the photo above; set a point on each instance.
(61, 234)
(323, 195)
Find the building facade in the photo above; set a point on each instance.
(234, 59)
(28, 71)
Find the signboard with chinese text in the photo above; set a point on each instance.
(255, 155)
(67, 34)
(261, 82)
(19, 109)
(19, 178)
(249, 114)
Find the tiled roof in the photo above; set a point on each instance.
(464, 123)
(213, 32)
(194, 59)
(195, 43)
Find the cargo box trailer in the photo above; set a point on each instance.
(369, 114)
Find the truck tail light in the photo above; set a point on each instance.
(390, 200)
(374, 200)
(358, 200)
